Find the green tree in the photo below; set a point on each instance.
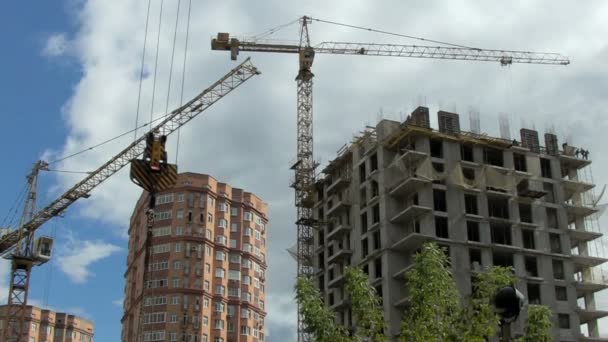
(434, 300)
(365, 305)
(478, 320)
(538, 325)
(318, 318)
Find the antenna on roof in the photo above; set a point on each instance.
(503, 123)
(474, 125)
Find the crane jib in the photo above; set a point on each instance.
(179, 117)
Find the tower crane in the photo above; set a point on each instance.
(305, 165)
(19, 245)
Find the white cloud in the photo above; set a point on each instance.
(75, 258)
(57, 44)
(118, 302)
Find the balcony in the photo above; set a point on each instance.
(582, 262)
(530, 188)
(587, 315)
(407, 186)
(339, 255)
(337, 281)
(403, 301)
(578, 236)
(338, 231)
(576, 211)
(572, 186)
(340, 304)
(400, 275)
(593, 339)
(411, 242)
(409, 213)
(409, 158)
(571, 162)
(339, 181)
(339, 205)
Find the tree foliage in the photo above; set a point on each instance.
(435, 312)
(434, 300)
(478, 319)
(538, 325)
(318, 318)
(366, 306)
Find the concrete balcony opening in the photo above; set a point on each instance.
(339, 182)
(573, 186)
(338, 231)
(576, 211)
(582, 262)
(573, 162)
(586, 315)
(338, 206)
(578, 236)
(340, 255)
(407, 186)
(407, 158)
(411, 242)
(409, 213)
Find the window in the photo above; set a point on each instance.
(246, 296)
(179, 214)
(154, 317)
(220, 239)
(244, 330)
(164, 198)
(473, 231)
(161, 231)
(219, 324)
(232, 243)
(501, 233)
(474, 257)
(222, 223)
(220, 272)
(209, 218)
(247, 216)
(364, 248)
(470, 204)
(545, 168)
(234, 227)
(519, 162)
(164, 248)
(376, 214)
(466, 152)
(244, 313)
(247, 231)
(468, 173)
(378, 268)
(534, 294)
(439, 200)
(179, 231)
(247, 247)
(234, 211)
(558, 269)
(362, 175)
(375, 189)
(436, 148)
(564, 321)
(502, 259)
(234, 292)
(552, 218)
(373, 162)
(498, 207)
(163, 215)
(525, 212)
(219, 255)
(561, 293)
(554, 240)
(220, 290)
(377, 241)
(363, 223)
(531, 266)
(493, 156)
(441, 227)
(206, 285)
(234, 275)
(207, 268)
(550, 196)
(175, 300)
(219, 307)
(246, 280)
(528, 238)
(223, 206)
(181, 197)
(178, 247)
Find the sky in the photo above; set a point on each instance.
(71, 79)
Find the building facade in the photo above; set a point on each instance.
(206, 273)
(50, 326)
(488, 201)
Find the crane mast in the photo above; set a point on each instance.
(17, 245)
(305, 165)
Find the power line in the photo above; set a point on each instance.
(393, 34)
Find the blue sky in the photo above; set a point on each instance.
(69, 79)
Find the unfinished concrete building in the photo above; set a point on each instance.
(488, 201)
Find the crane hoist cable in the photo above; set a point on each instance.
(14, 205)
(160, 22)
(181, 96)
(141, 73)
(172, 58)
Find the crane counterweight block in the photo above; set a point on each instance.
(153, 180)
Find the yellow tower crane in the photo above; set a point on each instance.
(305, 165)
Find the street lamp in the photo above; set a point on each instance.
(507, 303)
